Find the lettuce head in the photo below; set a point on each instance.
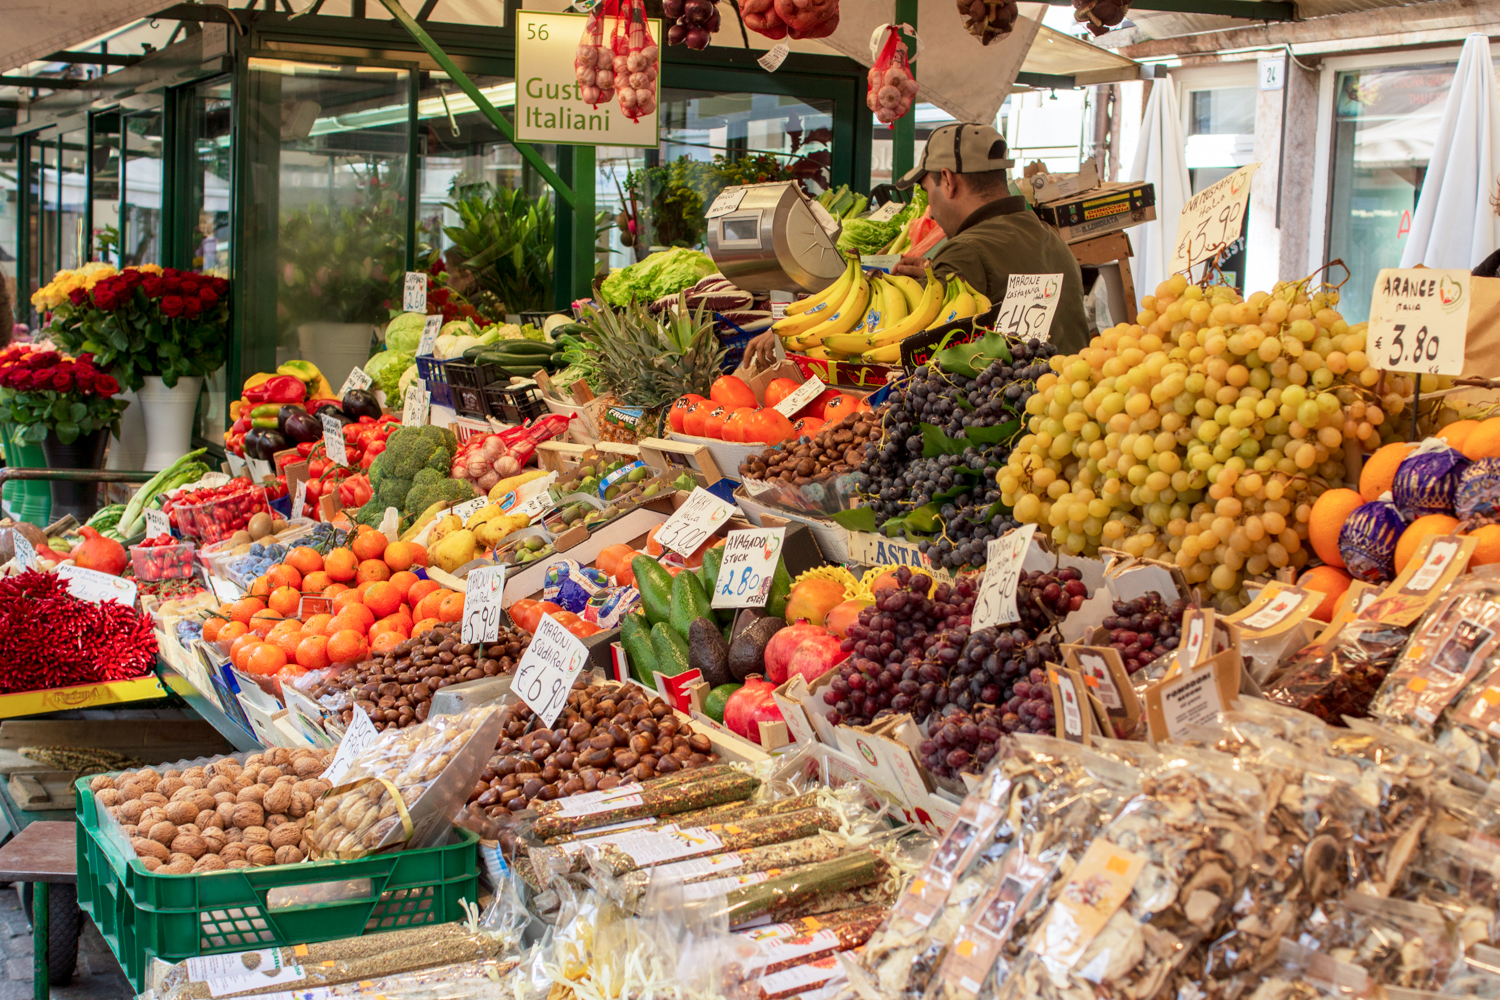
(386, 368)
(405, 332)
(665, 273)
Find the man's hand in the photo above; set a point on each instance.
(760, 353)
(913, 266)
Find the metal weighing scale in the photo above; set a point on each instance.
(768, 237)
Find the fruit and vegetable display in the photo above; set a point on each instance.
(276, 410)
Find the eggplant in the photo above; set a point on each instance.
(260, 441)
(360, 403)
(285, 413)
(302, 426)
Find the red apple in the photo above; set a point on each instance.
(802, 649)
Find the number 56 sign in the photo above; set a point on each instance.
(549, 668)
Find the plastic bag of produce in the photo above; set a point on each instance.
(593, 63)
(1462, 880)
(1339, 677)
(892, 87)
(404, 790)
(635, 61)
(1397, 943)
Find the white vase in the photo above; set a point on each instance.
(130, 450)
(336, 348)
(169, 419)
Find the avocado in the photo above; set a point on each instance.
(747, 654)
(688, 602)
(713, 702)
(635, 636)
(708, 652)
(655, 585)
(671, 650)
(708, 573)
(781, 590)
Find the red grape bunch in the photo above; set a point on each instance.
(1044, 597)
(962, 741)
(1145, 628)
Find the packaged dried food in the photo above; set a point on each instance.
(1462, 880)
(702, 878)
(1478, 976)
(1339, 677)
(646, 849)
(789, 891)
(1397, 943)
(663, 797)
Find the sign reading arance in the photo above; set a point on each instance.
(548, 106)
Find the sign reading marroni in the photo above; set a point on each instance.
(548, 105)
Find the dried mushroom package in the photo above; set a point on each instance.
(1397, 943)
(1478, 975)
(1155, 881)
(1462, 880)
(1301, 972)
(404, 789)
(1341, 676)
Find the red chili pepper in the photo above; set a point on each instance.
(49, 639)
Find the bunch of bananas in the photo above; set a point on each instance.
(868, 317)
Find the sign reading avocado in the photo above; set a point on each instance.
(548, 92)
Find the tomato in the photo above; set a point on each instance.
(583, 629)
(525, 613)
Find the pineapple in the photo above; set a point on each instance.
(648, 362)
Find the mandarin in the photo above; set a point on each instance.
(284, 576)
(306, 560)
(245, 607)
(312, 652)
(340, 564)
(428, 606)
(402, 580)
(373, 569)
(452, 608)
(421, 589)
(399, 556)
(284, 600)
(1329, 513)
(316, 582)
(383, 598)
(347, 646)
(368, 545)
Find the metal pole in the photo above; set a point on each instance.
(583, 221)
(41, 986)
(904, 138)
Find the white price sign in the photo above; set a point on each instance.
(886, 212)
(360, 734)
(996, 602)
(95, 587)
(414, 411)
(1419, 320)
(414, 292)
(1211, 220)
(1030, 303)
(745, 571)
(260, 469)
(727, 201)
(482, 604)
(695, 522)
(157, 524)
(546, 673)
(333, 439)
(469, 508)
(535, 505)
(772, 60)
(431, 328)
(299, 497)
(25, 551)
(357, 380)
(801, 396)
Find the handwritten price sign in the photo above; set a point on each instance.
(695, 522)
(414, 292)
(482, 604)
(418, 403)
(996, 603)
(1211, 219)
(357, 380)
(360, 734)
(747, 567)
(1030, 303)
(1419, 320)
(549, 668)
(333, 439)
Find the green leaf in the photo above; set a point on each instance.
(77, 412)
(993, 435)
(66, 431)
(856, 519)
(935, 443)
(34, 433)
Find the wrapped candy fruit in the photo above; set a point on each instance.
(892, 87)
(760, 16)
(809, 18)
(593, 63)
(988, 20)
(635, 62)
(694, 22)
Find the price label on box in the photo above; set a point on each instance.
(333, 439)
(95, 587)
(996, 601)
(357, 380)
(430, 331)
(157, 524)
(747, 566)
(546, 673)
(695, 522)
(1419, 320)
(360, 734)
(801, 396)
(482, 604)
(414, 292)
(414, 410)
(772, 60)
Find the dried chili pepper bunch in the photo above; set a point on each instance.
(49, 638)
(1100, 15)
(988, 20)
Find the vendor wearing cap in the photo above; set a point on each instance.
(991, 233)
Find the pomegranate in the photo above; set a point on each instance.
(802, 649)
(99, 553)
(751, 705)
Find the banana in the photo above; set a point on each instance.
(981, 302)
(850, 311)
(817, 354)
(949, 295)
(889, 354)
(910, 290)
(895, 302)
(872, 320)
(832, 295)
(923, 314)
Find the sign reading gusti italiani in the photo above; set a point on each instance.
(548, 105)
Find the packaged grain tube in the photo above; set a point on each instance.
(792, 889)
(726, 812)
(704, 877)
(626, 802)
(881, 894)
(644, 850)
(404, 789)
(803, 926)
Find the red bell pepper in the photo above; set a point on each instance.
(277, 389)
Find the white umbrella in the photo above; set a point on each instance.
(1454, 224)
(1160, 161)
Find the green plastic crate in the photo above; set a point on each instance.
(172, 917)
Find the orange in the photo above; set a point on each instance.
(355, 616)
(240, 657)
(428, 606)
(284, 576)
(452, 608)
(368, 545)
(347, 646)
(399, 620)
(242, 609)
(260, 587)
(402, 579)
(424, 626)
(231, 631)
(399, 556)
(316, 582)
(421, 589)
(383, 626)
(386, 641)
(1457, 433)
(289, 641)
(266, 659)
(284, 600)
(236, 648)
(211, 628)
(1326, 580)
(315, 624)
(1487, 552)
(345, 599)
(383, 598)
(312, 652)
(363, 588)
(1411, 538)
(731, 391)
(305, 560)
(340, 564)
(283, 627)
(262, 622)
(1483, 441)
(1380, 469)
(418, 554)
(1329, 513)
(374, 569)
(334, 589)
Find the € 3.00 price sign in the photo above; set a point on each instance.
(747, 566)
(546, 673)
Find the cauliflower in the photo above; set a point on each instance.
(405, 332)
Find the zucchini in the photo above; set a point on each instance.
(522, 347)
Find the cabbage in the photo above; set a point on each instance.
(459, 345)
(405, 332)
(386, 368)
(862, 236)
(659, 275)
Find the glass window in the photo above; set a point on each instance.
(341, 205)
(1385, 125)
(106, 187)
(1223, 111)
(207, 216)
(141, 232)
(73, 248)
(41, 227)
(9, 231)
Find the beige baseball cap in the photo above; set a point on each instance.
(965, 148)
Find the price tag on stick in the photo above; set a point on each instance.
(157, 524)
(430, 331)
(333, 440)
(1211, 220)
(546, 673)
(414, 292)
(299, 497)
(748, 564)
(414, 411)
(260, 470)
(1419, 320)
(25, 551)
(1030, 303)
(482, 604)
(695, 522)
(360, 734)
(996, 601)
(357, 380)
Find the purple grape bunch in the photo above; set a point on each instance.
(962, 741)
(1046, 596)
(1145, 628)
(901, 648)
(994, 662)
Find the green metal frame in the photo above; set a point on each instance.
(904, 143)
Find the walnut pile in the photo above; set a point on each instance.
(222, 815)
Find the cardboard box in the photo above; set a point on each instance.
(675, 456)
(847, 375)
(1105, 209)
(565, 456)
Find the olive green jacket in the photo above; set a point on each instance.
(1004, 237)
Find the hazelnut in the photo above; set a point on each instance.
(150, 849)
(209, 863)
(190, 844)
(260, 855)
(163, 832)
(288, 855)
(99, 782)
(247, 814)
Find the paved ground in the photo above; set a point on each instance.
(98, 976)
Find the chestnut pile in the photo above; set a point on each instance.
(835, 448)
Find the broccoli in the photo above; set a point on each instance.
(392, 492)
(430, 486)
(413, 448)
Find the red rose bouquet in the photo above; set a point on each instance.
(43, 391)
